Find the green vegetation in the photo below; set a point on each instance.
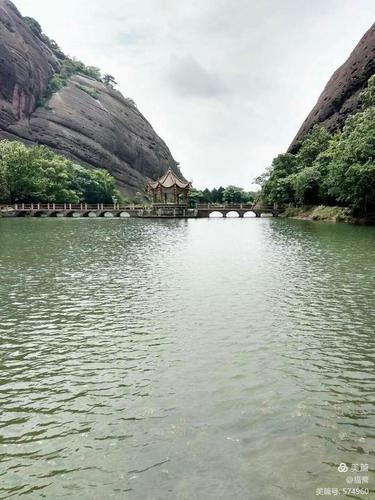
(333, 214)
(328, 169)
(69, 68)
(230, 194)
(90, 91)
(37, 174)
(35, 28)
(73, 66)
(109, 80)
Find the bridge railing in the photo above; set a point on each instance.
(32, 207)
(238, 206)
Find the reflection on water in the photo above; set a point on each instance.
(201, 359)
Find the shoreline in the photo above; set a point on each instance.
(324, 213)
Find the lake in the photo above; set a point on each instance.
(185, 359)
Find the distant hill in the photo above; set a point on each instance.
(340, 96)
(47, 98)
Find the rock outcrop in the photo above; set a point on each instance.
(88, 121)
(340, 96)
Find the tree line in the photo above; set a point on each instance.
(230, 194)
(37, 174)
(329, 169)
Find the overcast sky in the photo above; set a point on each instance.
(226, 83)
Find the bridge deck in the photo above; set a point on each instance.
(133, 210)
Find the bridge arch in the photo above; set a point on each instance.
(249, 214)
(41, 213)
(216, 214)
(233, 214)
(124, 215)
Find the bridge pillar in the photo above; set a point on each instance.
(257, 214)
(224, 214)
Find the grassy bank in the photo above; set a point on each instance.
(323, 213)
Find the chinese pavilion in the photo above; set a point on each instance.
(169, 189)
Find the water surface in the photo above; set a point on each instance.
(171, 359)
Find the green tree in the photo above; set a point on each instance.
(93, 72)
(37, 174)
(94, 185)
(368, 95)
(277, 182)
(20, 180)
(195, 196)
(220, 194)
(214, 195)
(313, 144)
(306, 185)
(233, 194)
(352, 169)
(329, 169)
(207, 197)
(109, 80)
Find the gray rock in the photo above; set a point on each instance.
(340, 96)
(106, 132)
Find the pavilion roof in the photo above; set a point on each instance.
(168, 180)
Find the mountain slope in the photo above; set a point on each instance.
(340, 96)
(86, 120)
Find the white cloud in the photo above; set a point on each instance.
(226, 83)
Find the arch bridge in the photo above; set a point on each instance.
(71, 210)
(205, 210)
(155, 210)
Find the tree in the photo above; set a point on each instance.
(233, 194)
(314, 143)
(368, 95)
(195, 196)
(249, 196)
(109, 80)
(306, 185)
(37, 174)
(20, 179)
(351, 175)
(94, 185)
(93, 72)
(329, 169)
(220, 194)
(207, 197)
(214, 195)
(277, 182)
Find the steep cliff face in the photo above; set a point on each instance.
(340, 96)
(87, 121)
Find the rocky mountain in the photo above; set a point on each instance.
(340, 96)
(86, 120)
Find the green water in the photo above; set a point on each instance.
(201, 359)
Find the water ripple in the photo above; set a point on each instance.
(173, 359)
